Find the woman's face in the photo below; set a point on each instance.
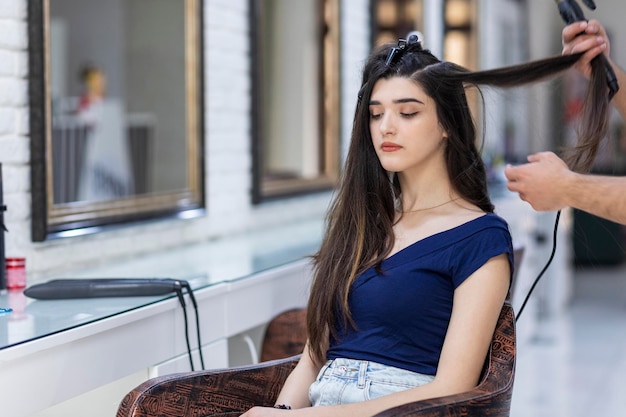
(404, 126)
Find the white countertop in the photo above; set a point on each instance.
(61, 349)
(202, 265)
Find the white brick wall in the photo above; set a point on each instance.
(355, 35)
(14, 145)
(15, 9)
(228, 157)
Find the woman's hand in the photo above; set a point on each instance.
(264, 412)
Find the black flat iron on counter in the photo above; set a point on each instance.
(59, 289)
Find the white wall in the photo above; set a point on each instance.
(14, 145)
(355, 22)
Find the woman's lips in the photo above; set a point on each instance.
(389, 147)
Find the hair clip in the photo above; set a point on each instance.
(415, 36)
(412, 38)
(395, 51)
(590, 4)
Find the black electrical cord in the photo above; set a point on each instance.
(186, 285)
(181, 298)
(556, 226)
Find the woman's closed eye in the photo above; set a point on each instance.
(376, 116)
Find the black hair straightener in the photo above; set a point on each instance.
(63, 289)
(59, 289)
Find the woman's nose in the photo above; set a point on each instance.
(387, 124)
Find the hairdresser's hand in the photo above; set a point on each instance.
(588, 37)
(543, 182)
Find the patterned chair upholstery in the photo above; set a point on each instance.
(229, 392)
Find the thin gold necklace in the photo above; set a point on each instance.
(433, 207)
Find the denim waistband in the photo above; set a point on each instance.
(360, 370)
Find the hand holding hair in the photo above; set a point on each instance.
(588, 37)
(591, 39)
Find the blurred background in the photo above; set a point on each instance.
(131, 128)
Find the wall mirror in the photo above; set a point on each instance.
(296, 96)
(116, 112)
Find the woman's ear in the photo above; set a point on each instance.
(444, 132)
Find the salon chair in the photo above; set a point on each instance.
(229, 392)
(518, 255)
(285, 335)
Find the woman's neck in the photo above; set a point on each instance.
(424, 191)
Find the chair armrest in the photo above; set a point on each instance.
(474, 403)
(492, 396)
(205, 393)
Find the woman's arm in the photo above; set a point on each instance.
(477, 305)
(295, 392)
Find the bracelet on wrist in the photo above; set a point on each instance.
(283, 406)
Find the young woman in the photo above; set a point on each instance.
(414, 266)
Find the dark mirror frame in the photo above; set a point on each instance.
(69, 219)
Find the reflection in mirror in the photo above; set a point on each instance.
(296, 149)
(121, 117)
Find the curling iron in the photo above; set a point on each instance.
(571, 12)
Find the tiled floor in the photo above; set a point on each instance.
(575, 364)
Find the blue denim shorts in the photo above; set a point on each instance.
(345, 381)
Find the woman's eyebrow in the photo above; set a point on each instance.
(397, 101)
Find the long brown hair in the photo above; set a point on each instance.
(359, 224)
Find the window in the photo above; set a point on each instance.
(295, 110)
(459, 33)
(394, 19)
